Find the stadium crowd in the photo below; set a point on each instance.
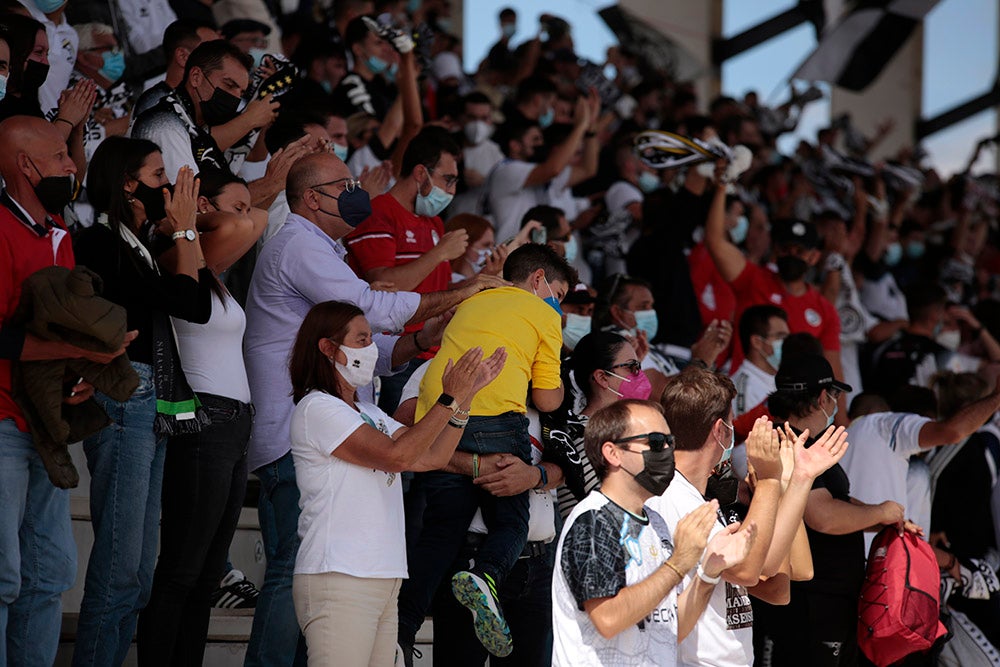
(552, 341)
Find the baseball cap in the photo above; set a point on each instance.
(794, 232)
(237, 26)
(808, 373)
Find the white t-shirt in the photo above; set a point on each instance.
(508, 200)
(212, 353)
(877, 462)
(620, 195)
(723, 636)
(918, 493)
(352, 516)
(884, 299)
(145, 22)
(603, 549)
(480, 158)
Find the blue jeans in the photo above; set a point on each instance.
(452, 501)
(275, 638)
(126, 474)
(204, 483)
(37, 553)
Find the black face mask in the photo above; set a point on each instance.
(355, 206)
(723, 486)
(791, 268)
(35, 74)
(54, 192)
(220, 108)
(657, 470)
(152, 200)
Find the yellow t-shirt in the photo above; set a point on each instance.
(510, 317)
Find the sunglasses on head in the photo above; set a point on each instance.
(657, 441)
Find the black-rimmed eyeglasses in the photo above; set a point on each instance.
(657, 441)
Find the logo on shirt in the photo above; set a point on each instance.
(68, 49)
(411, 237)
(812, 318)
(776, 298)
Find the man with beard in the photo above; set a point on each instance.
(796, 250)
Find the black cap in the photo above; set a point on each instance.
(794, 232)
(807, 374)
(237, 26)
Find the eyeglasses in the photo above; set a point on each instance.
(633, 366)
(350, 185)
(449, 180)
(657, 441)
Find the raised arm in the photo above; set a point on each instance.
(727, 257)
(962, 424)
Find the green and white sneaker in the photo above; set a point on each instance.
(477, 592)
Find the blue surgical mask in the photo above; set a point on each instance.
(376, 64)
(3, 86)
(390, 73)
(774, 359)
(645, 320)
(114, 65)
(830, 417)
(433, 202)
(551, 298)
(340, 151)
(258, 56)
(509, 29)
(570, 248)
(577, 326)
(648, 181)
(49, 6)
(738, 234)
(915, 249)
(546, 118)
(893, 253)
(413, 5)
(727, 450)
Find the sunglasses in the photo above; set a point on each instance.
(657, 441)
(633, 366)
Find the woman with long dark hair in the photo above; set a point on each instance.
(130, 193)
(348, 455)
(205, 474)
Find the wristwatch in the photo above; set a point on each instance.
(449, 402)
(188, 234)
(544, 481)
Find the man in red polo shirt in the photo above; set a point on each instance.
(403, 243)
(796, 249)
(37, 552)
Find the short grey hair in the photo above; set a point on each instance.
(89, 32)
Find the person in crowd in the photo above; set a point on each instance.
(531, 333)
(248, 36)
(558, 234)
(716, 300)
(500, 56)
(101, 60)
(302, 265)
(365, 88)
(820, 622)
(618, 567)
(403, 242)
(480, 154)
(126, 185)
(929, 343)
(578, 315)
(204, 477)
(179, 39)
(481, 242)
(699, 403)
(38, 559)
(762, 331)
(347, 454)
(63, 44)
(533, 102)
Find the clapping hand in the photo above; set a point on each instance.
(182, 205)
(728, 548)
(691, 535)
(764, 450)
(821, 456)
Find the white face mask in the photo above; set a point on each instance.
(477, 131)
(949, 339)
(360, 367)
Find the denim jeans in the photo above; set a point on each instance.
(275, 638)
(37, 553)
(452, 500)
(204, 483)
(126, 474)
(526, 598)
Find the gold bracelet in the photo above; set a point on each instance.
(674, 568)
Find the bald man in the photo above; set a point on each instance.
(37, 552)
(300, 266)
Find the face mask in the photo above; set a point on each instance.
(152, 200)
(340, 151)
(774, 359)
(634, 386)
(727, 450)
(738, 234)
(546, 118)
(445, 24)
(577, 326)
(477, 131)
(570, 248)
(360, 367)
(3, 87)
(481, 257)
(433, 202)
(551, 298)
(258, 56)
(54, 192)
(829, 417)
(326, 86)
(220, 108)
(893, 253)
(723, 486)
(114, 65)
(949, 339)
(376, 64)
(791, 268)
(915, 249)
(509, 29)
(648, 181)
(355, 207)
(645, 320)
(35, 74)
(390, 73)
(657, 470)
(413, 5)
(49, 6)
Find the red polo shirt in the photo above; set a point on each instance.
(24, 250)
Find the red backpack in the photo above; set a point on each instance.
(899, 608)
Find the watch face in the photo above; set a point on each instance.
(189, 235)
